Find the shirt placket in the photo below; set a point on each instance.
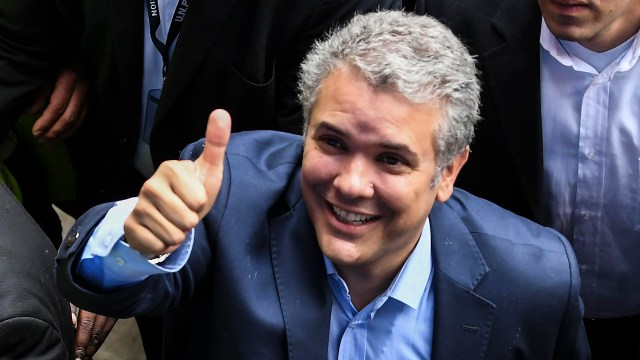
(354, 340)
(591, 170)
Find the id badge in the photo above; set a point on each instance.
(153, 98)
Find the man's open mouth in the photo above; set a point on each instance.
(351, 218)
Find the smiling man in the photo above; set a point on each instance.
(348, 243)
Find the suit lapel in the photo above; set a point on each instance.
(463, 319)
(513, 72)
(305, 297)
(203, 24)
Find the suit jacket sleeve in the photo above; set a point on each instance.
(158, 294)
(31, 338)
(35, 321)
(154, 295)
(572, 338)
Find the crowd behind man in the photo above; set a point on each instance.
(560, 139)
(557, 144)
(127, 84)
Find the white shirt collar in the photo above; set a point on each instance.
(550, 43)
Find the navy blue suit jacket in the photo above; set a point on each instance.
(255, 286)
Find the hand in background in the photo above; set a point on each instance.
(179, 194)
(91, 332)
(63, 107)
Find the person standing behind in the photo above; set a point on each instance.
(560, 142)
(35, 320)
(155, 69)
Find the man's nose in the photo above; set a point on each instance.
(355, 179)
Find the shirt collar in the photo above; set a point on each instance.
(410, 283)
(552, 44)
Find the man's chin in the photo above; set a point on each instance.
(339, 251)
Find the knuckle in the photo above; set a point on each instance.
(64, 121)
(97, 339)
(158, 248)
(177, 237)
(72, 119)
(140, 212)
(86, 324)
(190, 221)
(149, 187)
(57, 108)
(200, 203)
(129, 223)
(53, 134)
(172, 167)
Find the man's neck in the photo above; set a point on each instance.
(616, 34)
(605, 44)
(365, 283)
(598, 60)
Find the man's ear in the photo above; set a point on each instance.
(449, 175)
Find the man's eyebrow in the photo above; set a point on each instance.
(397, 147)
(323, 125)
(402, 149)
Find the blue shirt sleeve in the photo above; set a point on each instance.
(108, 262)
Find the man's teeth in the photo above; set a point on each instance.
(347, 217)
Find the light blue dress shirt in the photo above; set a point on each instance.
(398, 324)
(591, 152)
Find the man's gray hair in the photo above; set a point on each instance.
(415, 56)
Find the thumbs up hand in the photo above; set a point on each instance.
(179, 194)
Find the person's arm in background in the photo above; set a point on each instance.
(39, 71)
(36, 42)
(61, 106)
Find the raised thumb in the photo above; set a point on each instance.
(210, 163)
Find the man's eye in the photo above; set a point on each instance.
(332, 142)
(391, 160)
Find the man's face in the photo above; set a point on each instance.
(367, 169)
(598, 25)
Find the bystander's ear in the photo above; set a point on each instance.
(449, 175)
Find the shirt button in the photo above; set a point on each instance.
(586, 215)
(590, 154)
(120, 261)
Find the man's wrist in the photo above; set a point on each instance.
(155, 260)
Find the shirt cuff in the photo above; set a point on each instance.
(108, 262)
